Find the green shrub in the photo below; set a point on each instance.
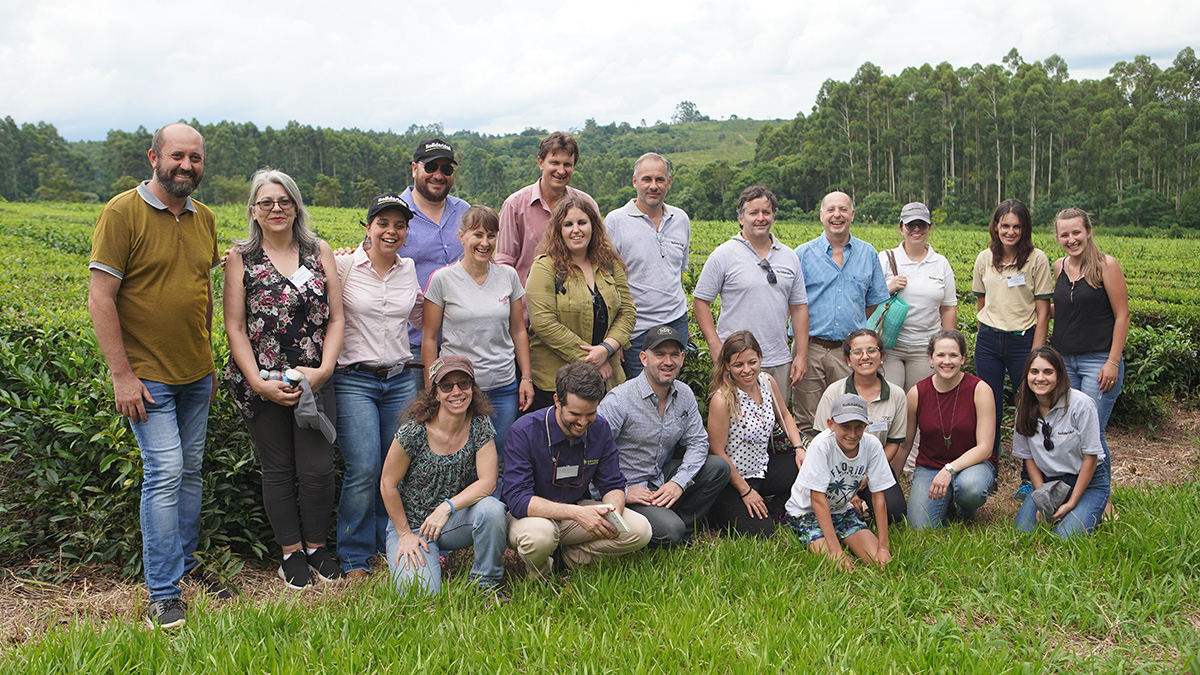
(1159, 363)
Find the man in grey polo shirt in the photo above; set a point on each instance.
(650, 415)
(760, 285)
(653, 239)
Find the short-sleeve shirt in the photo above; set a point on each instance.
(838, 297)
(1010, 294)
(827, 469)
(432, 478)
(163, 262)
(930, 287)
(748, 300)
(750, 432)
(887, 414)
(475, 319)
(655, 260)
(1075, 430)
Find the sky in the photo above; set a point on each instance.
(500, 66)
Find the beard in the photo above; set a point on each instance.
(176, 188)
(422, 188)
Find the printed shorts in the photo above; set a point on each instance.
(845, 524)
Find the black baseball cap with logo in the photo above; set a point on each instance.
(660, 334)
(434, 148)
(383, 202)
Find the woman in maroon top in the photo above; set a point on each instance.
(956, 415)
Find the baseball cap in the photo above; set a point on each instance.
(439, 369)
(660, 334)
(390, 200)
(848, 408)
(914, 211)
(433, 149)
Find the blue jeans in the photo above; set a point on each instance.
(172, 444)
(368, 414)
(968, 491)
(1084, 370)
(997, 352)
(633, 361)
(1080, 520)
(483, 525)
(506, 400)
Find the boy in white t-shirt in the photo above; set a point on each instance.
(819, 511)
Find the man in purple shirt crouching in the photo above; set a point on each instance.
(551, 457)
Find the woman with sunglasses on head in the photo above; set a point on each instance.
(579, 303)
(375, 382)
(1091, 318)
(283, 313)
(1012, 285)
(1058, 436)
(746, 405)
(953, 412)
(438, 481)
(887, 410)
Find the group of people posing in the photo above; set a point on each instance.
(510, 380)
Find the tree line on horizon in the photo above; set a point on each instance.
(959, 139)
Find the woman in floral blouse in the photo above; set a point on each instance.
(282, 310)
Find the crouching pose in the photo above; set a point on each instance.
(838, 459)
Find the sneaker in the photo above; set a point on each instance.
(211, 585)
(294, 571)
(1022, 492)
(169, 613)
(324, 566)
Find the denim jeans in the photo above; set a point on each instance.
(633, 361)
(172, 444)
(483, 525)
(368, 414)
(968, 491)
(506, 400)
(997, 352)
(1084, 371)
(1080, 520)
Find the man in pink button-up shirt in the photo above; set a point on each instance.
(525, 213)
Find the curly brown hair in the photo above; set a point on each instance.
(600, 250)
(425, 406)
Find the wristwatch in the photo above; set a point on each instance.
(950, 467)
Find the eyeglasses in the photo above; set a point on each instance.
(869, 351)
(917, 225)
(771, 278)
(446, 168)
(447, 387)
(1047, 432)
(269, 204)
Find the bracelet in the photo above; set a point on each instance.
(608, 348)
(748, 491)
(1112, 362)
(452, 509)
(527, 379)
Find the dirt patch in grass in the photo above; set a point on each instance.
(1167, 455)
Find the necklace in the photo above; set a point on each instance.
(953, 411)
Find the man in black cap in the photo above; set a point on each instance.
(432, 240)
(649, 416)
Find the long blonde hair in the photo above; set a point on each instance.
(735, 344)
(1092, 264)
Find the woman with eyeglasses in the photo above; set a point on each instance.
(283, 313)
(438, 481)
(375, 382)
(954, 412)
(1058, 436)
(746, 405)
(887, 410)
(580, 308)
(761, 286)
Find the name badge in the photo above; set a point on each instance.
(877, 426)
(568, 471)
(1016, 280)
(300, 277)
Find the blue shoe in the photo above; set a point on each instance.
(1023, 492)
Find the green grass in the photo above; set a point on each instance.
(976, 599)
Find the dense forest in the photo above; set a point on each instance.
(960, 139)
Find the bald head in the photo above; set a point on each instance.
(177, 155)
(178, 131)
(837, 212)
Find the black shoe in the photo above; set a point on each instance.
(169, 613)
(294, 571)
(211, 585)
(324, 566)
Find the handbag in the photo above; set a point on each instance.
(887, 318)
(780, 443)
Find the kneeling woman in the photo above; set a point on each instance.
(746, 404)
(956, 415)
(1058, 436)
(438, 479)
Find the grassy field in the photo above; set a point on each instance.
(966, 599)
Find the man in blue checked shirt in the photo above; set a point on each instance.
(844, 282)
(650, 415)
